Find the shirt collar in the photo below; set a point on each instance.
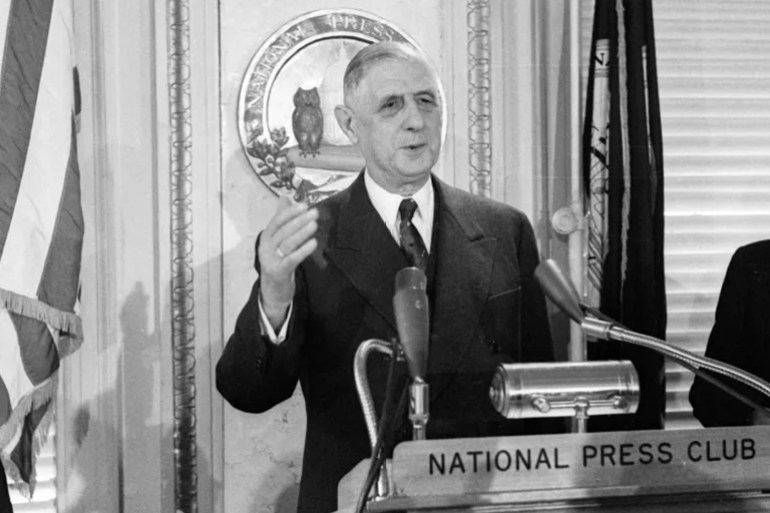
(386, 204)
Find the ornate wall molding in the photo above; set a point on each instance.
(182, 302)
(479, 98)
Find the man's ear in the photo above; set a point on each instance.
(347, 122)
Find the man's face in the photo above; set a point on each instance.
(396, 123)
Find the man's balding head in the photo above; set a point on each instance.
(375, 53)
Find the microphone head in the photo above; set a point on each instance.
(410, 305)
(411, 278)
(559, 289)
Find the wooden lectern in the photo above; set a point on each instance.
(699, 470)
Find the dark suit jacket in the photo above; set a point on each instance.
(740, 336)
(486, 308)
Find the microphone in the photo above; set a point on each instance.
(410, 305)
(559, 289)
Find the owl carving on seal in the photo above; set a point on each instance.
(308, 121)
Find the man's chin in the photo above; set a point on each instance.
(417, 167)
(415, 175)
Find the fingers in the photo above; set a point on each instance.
(286, 212)
(294, 234)
(301, 253)
(288, 238)
(295, 231)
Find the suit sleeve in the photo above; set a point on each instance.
(535, 334)
(253, 374)
(712, 406)
(535, 329)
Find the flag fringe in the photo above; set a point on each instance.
(68, 326)
(39, 396)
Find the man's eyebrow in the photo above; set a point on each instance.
(400, 96)
(429, 92)
(391, 97)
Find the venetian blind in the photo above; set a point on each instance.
(714, 84)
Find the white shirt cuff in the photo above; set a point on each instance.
(267, 329)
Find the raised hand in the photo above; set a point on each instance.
(284, 244)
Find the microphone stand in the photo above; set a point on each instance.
(609, 331)
(410, 307)
(418, 407)
(561, 291)
(367, 402)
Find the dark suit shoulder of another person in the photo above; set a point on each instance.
(740, 336)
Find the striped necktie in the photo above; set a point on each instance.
(411, 242)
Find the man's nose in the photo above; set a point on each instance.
(413, 117)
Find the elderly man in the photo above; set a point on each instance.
(327, 282)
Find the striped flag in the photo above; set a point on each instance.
(623, 178)
(41, 223)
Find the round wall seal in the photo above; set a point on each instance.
(286, 105)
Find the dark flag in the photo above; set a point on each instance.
(41, 224)
(623, 178)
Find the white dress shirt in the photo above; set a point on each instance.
(386, 204)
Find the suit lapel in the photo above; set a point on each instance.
(365, 252)
(463, 274)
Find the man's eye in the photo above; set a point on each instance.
(427, 102)
(390, 105)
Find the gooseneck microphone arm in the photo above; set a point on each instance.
(713, 380)
(561, 291)
(367, 404)
(608, 331)
(362, 382)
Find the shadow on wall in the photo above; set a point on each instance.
(138, 371)
(262, 453)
